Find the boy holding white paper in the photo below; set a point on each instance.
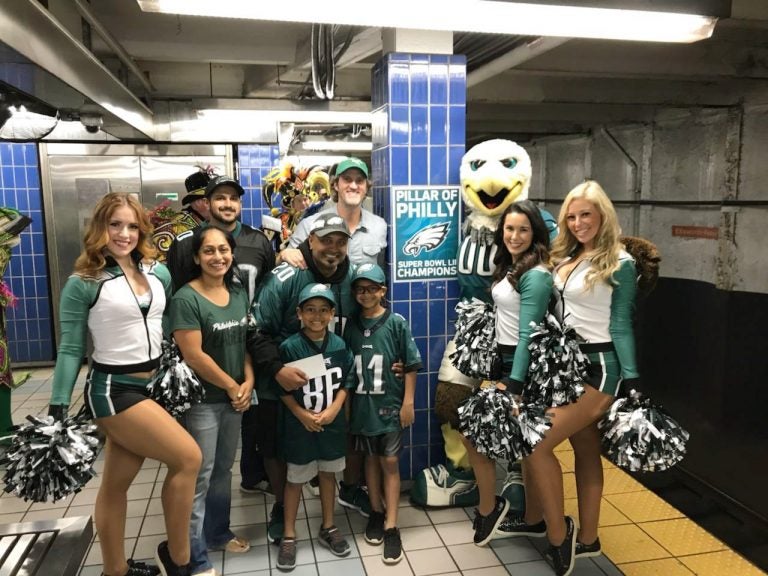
(314, 426)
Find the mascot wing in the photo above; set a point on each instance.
(427, 238)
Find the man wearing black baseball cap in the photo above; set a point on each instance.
(368, 232)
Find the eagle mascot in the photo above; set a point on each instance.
(493, 174)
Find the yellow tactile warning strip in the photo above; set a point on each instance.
(644, 535)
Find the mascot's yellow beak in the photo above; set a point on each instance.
(494, 174)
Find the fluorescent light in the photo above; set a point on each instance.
(297, 116)
(461, 16)
(337, 146)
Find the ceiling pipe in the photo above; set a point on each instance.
(113, 43)
(514, 58)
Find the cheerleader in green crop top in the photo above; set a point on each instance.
(118, 294)
(597, 281)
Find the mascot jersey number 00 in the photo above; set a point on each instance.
(494, 174)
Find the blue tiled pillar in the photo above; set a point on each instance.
(419, 105)
(29, 322)
(255, 161)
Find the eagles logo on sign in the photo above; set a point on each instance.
(427, 238)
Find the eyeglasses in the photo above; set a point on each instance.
(366, 289)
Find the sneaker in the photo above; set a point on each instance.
(442, 485)
(393, 547)
(514, 524)
(513, 489)
(263, 487)
(588, 550)
(563, 557)
(314, 486)
(276, 523)
(485, 526)
(141, 569)
(166, 565)
(286, 558)
(353, 497)
(332, 539)
(374, 530)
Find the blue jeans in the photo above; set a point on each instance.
(216, 429)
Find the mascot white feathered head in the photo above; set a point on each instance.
(494, 174)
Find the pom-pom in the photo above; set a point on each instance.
(557, 367)
(534, 423)
(475, 339)
(175, 386)
(50, 459)
(641, 437)
(487, 420)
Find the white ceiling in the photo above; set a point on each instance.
(569, 88)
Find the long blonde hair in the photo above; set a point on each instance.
(92, 259)
(605, 255)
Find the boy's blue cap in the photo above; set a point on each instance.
(369, 271)
(316, 291)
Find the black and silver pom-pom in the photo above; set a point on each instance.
(50, 459)
(641, 437)
(557, 367)
(487, 420)
(534, 424)
(475, 339)
(175, 386)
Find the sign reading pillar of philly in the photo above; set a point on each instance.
(425, 232)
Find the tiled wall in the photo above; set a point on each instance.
(255, 162)
(29, 322)
(419, 105)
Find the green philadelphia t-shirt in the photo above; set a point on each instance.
(223, 331)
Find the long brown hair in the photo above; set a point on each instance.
(537, 253)
(92, 259)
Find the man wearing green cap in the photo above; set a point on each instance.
(369, 232)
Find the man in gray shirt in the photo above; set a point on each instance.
(369, 232)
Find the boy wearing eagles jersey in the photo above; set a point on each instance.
(314, 426)
(382, 404)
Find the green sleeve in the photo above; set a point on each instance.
(184, 313)
(535, 289)
(164, 276)
(622, 310)
(76, 299)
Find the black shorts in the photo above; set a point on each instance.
(110, 394)
(387, 444)
(266, 427)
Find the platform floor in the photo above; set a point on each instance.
(640, 533)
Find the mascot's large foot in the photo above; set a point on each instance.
(445, 486)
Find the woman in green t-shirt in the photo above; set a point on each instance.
(209, 320)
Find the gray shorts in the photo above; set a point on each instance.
(388, 444)
(303, 473)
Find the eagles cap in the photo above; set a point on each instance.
(316, 291)
(348, 163)
(369, 271)
(221, 181)
(329, 224)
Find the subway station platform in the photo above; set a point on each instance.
(641, 534)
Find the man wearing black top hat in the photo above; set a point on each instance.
(194, 212)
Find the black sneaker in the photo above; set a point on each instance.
(141, 569)
(166, 565)
(374, 530)
(332, 539)
(563, 557)
(276, 523)
(352, 496)
(588, 550)
(393, 547)
(514, 524)
(286, 558)
(485, 526)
